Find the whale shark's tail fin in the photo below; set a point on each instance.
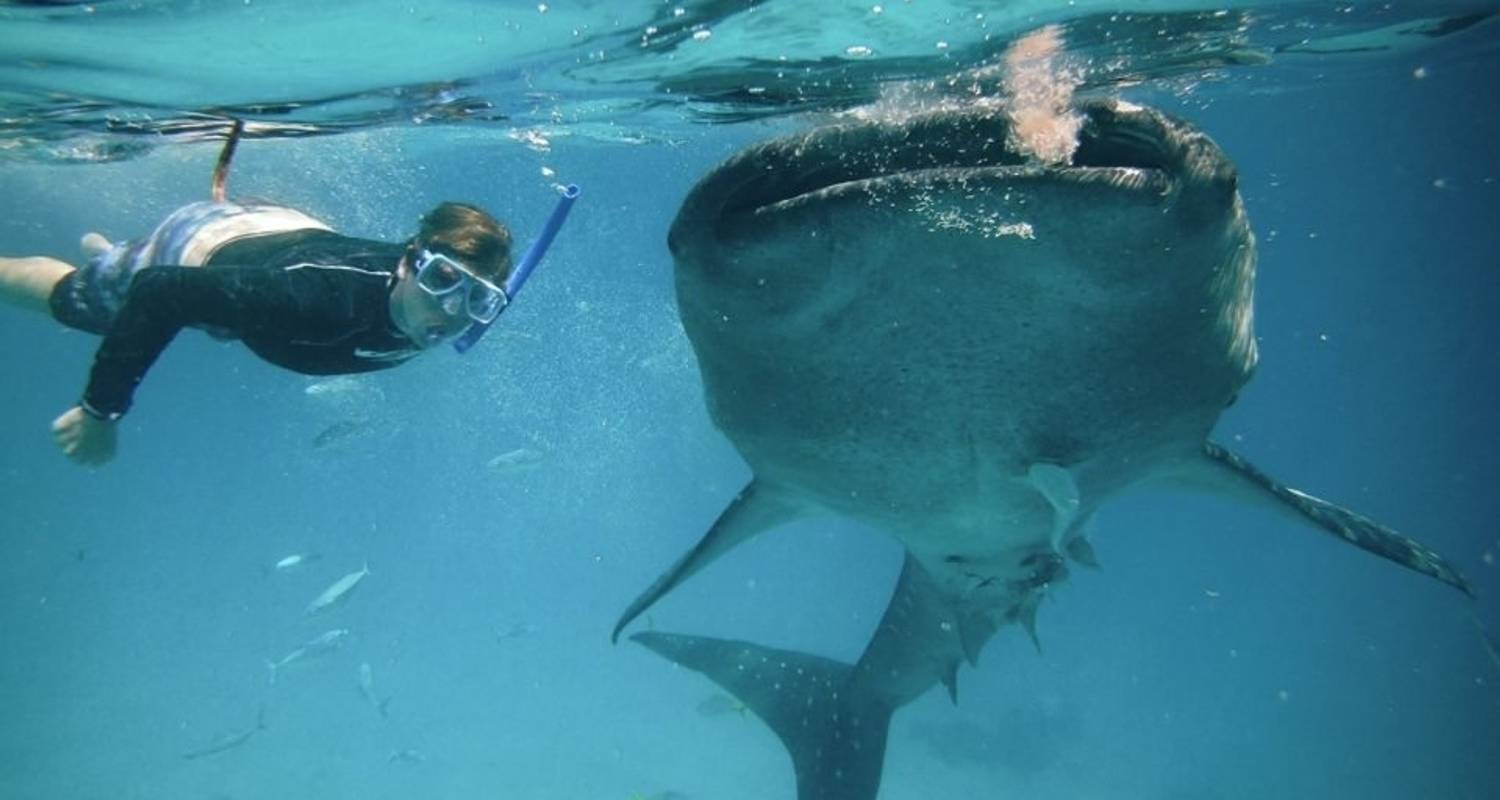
(834, 732)
(833, 717)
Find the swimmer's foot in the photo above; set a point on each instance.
(93, 245)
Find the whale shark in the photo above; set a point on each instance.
(911, 323)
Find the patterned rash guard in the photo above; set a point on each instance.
(311, 301)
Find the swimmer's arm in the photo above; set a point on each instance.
(164, 300)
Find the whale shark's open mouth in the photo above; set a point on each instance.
(1120, 145)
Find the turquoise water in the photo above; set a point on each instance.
(1219, 653)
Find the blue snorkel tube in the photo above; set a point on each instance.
(528, 263)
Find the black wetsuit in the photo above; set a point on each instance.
(310, 300)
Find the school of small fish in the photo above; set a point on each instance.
(337, 595)
(329, 641)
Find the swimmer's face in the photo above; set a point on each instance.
(425, 319)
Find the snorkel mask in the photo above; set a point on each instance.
(459, 288)
(506, 293)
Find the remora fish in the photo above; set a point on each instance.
(909, 323)
(338, 592)
(324, 642)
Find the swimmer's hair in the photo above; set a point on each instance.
(470, 235)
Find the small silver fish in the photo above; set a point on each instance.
(367, 690)
(339, 384)
(293, 561)
(1491, 646)
(341, 431)
(229, 742)
(325, 642)
(338, 592)
(520, 459)
(367, 681)
(519, 630)
(408, 756)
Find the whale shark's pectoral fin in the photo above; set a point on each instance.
(756, 508)
(1224, 471)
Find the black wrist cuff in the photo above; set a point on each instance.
(97, 414)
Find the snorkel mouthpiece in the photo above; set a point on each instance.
(532, 257)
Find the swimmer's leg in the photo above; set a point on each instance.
(28, 282)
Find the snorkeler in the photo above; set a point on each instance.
(297, 294)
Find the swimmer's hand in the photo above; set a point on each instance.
(85, 439)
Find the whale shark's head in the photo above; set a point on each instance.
(913, 289)
(1131, 162)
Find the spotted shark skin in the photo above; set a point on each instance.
(906, 323)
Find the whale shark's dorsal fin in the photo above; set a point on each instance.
(1223, 471)
(757, 507)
